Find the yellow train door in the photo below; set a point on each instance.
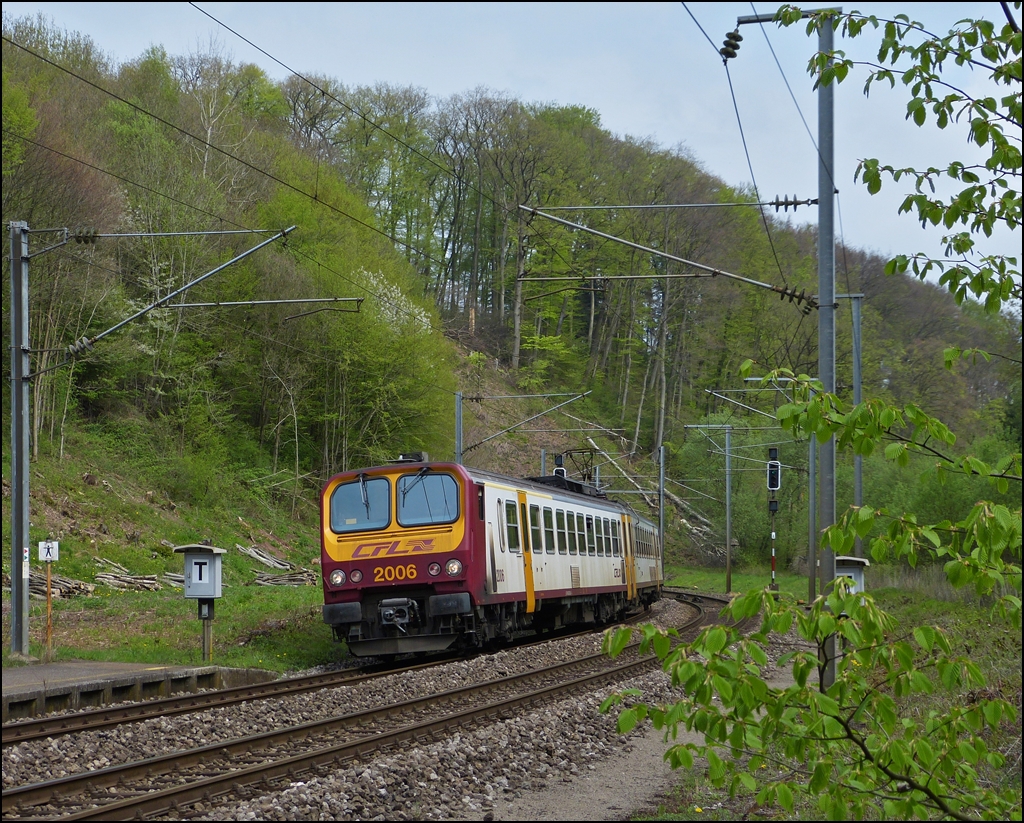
(628, 562)
(524, 530)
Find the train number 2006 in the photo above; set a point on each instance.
(382, 574)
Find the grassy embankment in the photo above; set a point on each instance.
(103, 500)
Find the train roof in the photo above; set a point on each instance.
(545, 485)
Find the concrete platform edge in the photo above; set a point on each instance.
(91, 692)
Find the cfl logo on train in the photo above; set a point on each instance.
(364, 550)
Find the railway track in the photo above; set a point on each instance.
(262, 763)
(106, 718)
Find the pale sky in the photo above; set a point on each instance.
(645, 67)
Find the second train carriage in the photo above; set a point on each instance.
(422, 556)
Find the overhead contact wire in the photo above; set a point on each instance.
(764, 217)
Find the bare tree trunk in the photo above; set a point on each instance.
(561, 315)
(517, 308)
(501, 272)
(474, 275)
(640, 409)
(629, 362)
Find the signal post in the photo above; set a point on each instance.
(774, 484)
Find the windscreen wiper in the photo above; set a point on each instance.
(419, 476)
(362, 491)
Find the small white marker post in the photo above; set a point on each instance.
(49, 551)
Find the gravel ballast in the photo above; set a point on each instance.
(486, 773)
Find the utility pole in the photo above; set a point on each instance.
(827, 331)
(20, 366)
(21, 377)
(826, 314)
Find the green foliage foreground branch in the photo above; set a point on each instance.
(871, 744)
(853, 749)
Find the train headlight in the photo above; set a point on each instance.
(434, 569)
(356, 576)
(337, 578)
(453, 567)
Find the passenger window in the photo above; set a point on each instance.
(615, 538)
(600, 537)
(501, 526)
(581, 534)
(563, 545)
(535, 539)
(591, 543)
(549, 530)
(512, 525)
(571, 522)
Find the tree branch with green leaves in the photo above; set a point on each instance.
(907, 51)
(874, 743)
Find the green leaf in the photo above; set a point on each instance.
(786, 797)
(925, 637)
(715, 640)
(627, 721)
(819, 779)
(716, 768)
(614, 642)
(723, 687)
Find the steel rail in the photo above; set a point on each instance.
(93, 719)
(23, 731)
(151, 802)
(62, 789)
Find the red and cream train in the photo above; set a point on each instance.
(422, 556)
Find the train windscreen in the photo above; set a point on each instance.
(426, 499)
(363, 504)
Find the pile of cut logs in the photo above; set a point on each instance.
(59, 586)
(118, 577)
(264, 558)
(302, 577)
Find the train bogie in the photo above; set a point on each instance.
(423, 557)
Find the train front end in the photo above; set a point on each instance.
(396, 558)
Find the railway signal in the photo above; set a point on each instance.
(774, 471)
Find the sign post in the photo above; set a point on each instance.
(202, 583)
(49, 551)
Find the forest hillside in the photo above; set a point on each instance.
(236, 397)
